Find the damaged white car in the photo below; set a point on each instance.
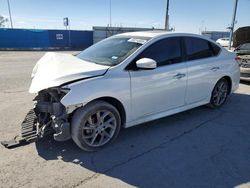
(126, 80)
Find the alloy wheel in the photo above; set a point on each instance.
(220, 93)
(99, 128)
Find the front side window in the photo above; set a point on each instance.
(112, 51)
(197, 48)
(164, 52)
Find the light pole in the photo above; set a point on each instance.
(110, 14)
(10, 14)
(67, 26)
(167, 17)
(232, 25)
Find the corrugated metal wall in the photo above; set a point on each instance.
(215, 35)
(44, 39)
(101, 33)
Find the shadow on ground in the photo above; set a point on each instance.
(197, 148)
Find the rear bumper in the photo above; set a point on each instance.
(245, 79)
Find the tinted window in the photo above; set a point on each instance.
(166, 51)
(197, 48)
(215, 48)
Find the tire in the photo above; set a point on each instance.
(219, 94)
(95, 125)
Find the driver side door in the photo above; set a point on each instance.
(163, 88)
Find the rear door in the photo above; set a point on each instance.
(203, 68)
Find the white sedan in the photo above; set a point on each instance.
(126, 80)
(223, 42)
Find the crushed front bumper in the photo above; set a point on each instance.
(57, 119)
(29, 132)
(47, 117)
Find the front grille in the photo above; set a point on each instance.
(246, 75)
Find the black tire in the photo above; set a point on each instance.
(80, 122)
(224, 93)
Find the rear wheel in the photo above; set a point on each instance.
(95, 125)
(219, 94)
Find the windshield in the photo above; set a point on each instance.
(112, 51)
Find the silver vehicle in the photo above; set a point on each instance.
(126, 80)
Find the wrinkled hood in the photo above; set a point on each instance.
(55, 69)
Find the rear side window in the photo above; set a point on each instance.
(197, 48)
(216, 49)
(164, 52)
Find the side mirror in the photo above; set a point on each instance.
(146, 63)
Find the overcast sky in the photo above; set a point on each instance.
(185, 15)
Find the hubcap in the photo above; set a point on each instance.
(220, 94)
(99, 128)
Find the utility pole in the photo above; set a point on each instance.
(10, 14)
(167, 17)
(232, 25)
(110, 14)
(67, 25)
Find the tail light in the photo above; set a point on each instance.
(238, 59)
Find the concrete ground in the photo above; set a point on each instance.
(197, 148)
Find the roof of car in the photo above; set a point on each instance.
(150, 34)
(157, 33)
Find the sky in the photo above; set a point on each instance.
(185, 15)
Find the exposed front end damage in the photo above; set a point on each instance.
(51, 114)
(49, 78)
(48, 117)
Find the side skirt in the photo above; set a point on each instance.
(159, 115)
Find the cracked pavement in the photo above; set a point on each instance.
(197, 148)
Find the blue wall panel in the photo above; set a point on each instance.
(28, 39)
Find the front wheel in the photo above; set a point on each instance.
(95, 125)
(219, 94)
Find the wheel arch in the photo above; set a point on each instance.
(229, 80)
(117, 104)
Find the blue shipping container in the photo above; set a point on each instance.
(45, 39)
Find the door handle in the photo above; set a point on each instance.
(179, 76)
(215, 69)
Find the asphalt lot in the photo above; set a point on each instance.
(197, 148)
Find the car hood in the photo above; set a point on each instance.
(55, 69)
